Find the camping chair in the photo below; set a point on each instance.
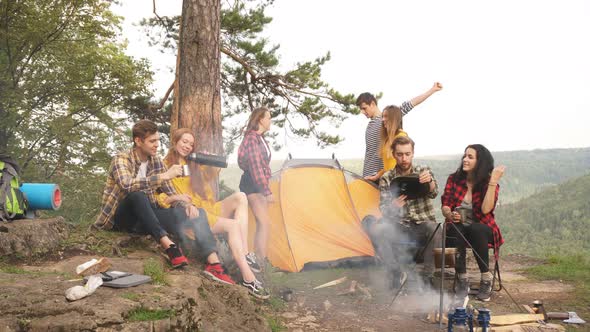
(451, 242)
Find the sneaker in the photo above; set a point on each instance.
(217, 272)
(462, 288)
(485, 291)
(176, 257)
(256, 289)
(251, 260)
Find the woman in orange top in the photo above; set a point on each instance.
(227, 216)
(391, 128)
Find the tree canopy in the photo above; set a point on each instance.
(299, 99)
(65, 83)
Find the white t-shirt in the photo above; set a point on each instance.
(142, 170)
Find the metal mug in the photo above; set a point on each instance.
(461, 211)
(186, 170)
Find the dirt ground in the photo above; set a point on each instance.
(33, 300)
(369, 309)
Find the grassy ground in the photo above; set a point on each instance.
(570, 269)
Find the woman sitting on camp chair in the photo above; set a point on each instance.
(227, 216)
(468, 202)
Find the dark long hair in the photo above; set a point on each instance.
(483, 167)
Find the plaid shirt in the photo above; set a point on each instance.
(254, 159)
(123, 180)
(455, 191)
(415, 210)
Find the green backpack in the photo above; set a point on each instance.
(13, 203)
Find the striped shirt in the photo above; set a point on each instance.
(373, 162)
(414, 211)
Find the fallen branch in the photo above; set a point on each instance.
(331, 283)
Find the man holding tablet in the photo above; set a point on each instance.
(408, 214)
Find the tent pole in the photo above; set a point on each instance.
(442, 275)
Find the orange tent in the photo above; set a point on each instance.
(316, 214)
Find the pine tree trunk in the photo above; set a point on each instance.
(199, 97)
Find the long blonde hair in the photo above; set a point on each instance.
(198, 178)
(394, 119)
(255, 117)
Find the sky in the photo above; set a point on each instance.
(516, 74)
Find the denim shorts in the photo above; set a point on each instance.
(248, 186)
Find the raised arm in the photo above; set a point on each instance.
(420, 98)
(491, 195)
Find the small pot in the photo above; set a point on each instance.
(449, 257)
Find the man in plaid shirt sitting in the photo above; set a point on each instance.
(129, 203)
(405, 221)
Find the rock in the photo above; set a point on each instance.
(327, 305)
(306, 319)
(34, 301)
(27, 238)
(289, 315)
(8, 325)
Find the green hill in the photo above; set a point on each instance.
(527, 171)
(553, 221)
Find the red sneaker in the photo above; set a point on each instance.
(177, 259)
(217, 272)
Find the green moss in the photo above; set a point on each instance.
(155, 270)
(131, 296)
(143, 314)
(275, 324)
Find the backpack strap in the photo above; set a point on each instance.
(5, 189)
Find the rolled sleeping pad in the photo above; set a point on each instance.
(42, 196)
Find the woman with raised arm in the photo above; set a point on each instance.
(468, 202)
(391, 128)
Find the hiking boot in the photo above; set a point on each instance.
(251, 260)
(217, 272)
(462, 288)
(176, 257)
(256, 289)
(485, 291)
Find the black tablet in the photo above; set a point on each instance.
(410, 186)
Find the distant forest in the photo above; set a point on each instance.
(544, 205)
(527, 171)
(553, 221)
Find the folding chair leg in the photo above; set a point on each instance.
(497, 276)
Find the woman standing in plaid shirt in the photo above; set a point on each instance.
(254, 159)
(469, 200)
